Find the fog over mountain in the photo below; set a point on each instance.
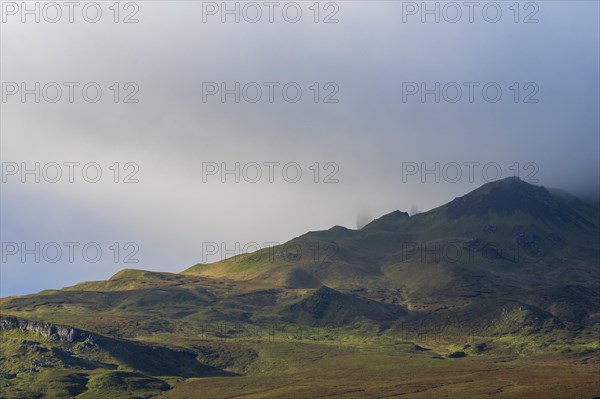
(367, 144)
(505, 275)
(299, 199)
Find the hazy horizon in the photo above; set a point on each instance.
(375, 140)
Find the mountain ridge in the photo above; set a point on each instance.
(509, 270)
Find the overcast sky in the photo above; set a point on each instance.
(360, 148)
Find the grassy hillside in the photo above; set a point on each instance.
(494, 294)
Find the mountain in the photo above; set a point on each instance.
(502, 239)
(507, 273)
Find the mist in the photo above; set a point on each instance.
(367, 146)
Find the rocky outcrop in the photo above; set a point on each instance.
(151, 359)
(50, 330)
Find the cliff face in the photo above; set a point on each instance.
(151, 359)
(54, 331)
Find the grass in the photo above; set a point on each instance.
(354, 371)
(342, 363)
(386, 326)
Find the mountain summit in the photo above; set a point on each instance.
(513, 195)
(507, 223)
(508, 268)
